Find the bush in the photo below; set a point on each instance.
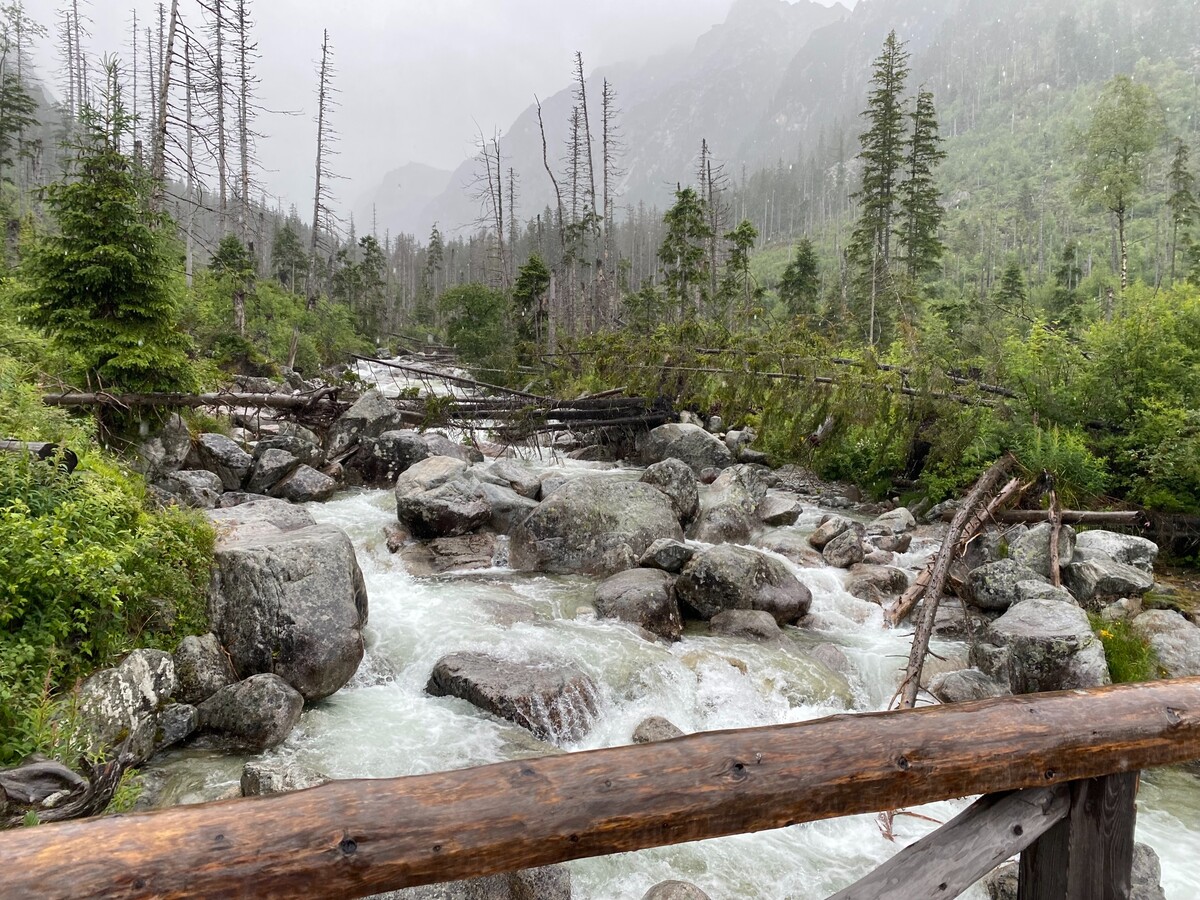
(87, 574)
(1129, 655)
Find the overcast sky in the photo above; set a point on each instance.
(415, 76)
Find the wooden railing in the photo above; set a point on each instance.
(1073, 755)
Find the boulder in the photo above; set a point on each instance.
(1042, 590)
(512, 474)
(468, 551)
(831, 526)
(668, 555)
(732, 577)
(1175, 641)
(1042, 645)
(224, 457)
(892, 543)
(643, 597)
(1094, 579)
(753, 624)
(1032, 549)
(261, 777)
(201, 668)
(876, 584)
(992, 544)
(779, 508)
(440, 445)
(963, 685)
(434, 499)
(254, 714)
(955, 622)
(846, 549)
(166, 450)
(655, 728)
(791, 545)
(197, 488)
(300, 442)
(508, 508)
(555, 702)
(258, 517)
(546, 883)
(270, 467)
(1145, 880)
(176, 724)
(994, 585)
(896, 521)
(122, 705)
(834, 658)
(594, 525)
(676, 479)
(728, 508)
(689, 443)
(292, 603)
(716, 424)
(593, 453)
(390, 453)
(372, 414)
(1123, 548)
(674, 890)
(305, 485)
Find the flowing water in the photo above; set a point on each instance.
(383, 723)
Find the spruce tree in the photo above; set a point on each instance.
(1181, 200)
(1011, 292)
(882, 157)
(682, 253)
(105, 286)
(801, 283)
(738, 287)
(920, 212)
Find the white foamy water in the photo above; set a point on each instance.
(383, 724)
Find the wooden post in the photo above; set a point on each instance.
(1089, 854)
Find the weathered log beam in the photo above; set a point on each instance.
(354, 838)
(948, 861)
(310, 402)
(1067, 516)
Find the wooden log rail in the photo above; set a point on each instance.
(355, 838)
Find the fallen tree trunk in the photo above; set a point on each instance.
(453, 379)
(316, 401)
(966, 522)
(1074, 516)
(67, 460)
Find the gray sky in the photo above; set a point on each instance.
(415, 76)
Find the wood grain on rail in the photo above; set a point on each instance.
(353, 838)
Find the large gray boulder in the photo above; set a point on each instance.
(1042, 645)
(436, 498)
(545, 883)
(732, 577)
(197, 488)
(292, 603)
(845, 550)
(728, 509)
(831, 526)
(440, 445)
(1032, 548)
(779, 508)
(271, 466)
(305, 485)
(386, 455)
(202, 668)
(675, 890)
(259, 517)
(689, 443)
(1095, 579)
(165, 450)
(298, 441)
(372, 414)
(751, 624)
(877, 584)
(555, 702)
(668, 555)
(655, 728)
(895, 521)
(962, 685)
(676, 479)
(512, 474)
(122, 705)
(253, 714)
(994, 585)
(508, 508)
(1175, 641)
(643, 597)
(262, 777)
(1123, 548)
(225, 458)
(595, 525)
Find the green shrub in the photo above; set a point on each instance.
(1129, 655)
(87, 574)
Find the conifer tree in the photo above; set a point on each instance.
(739, 288)
(920, 212)
(682, 253)
(1011, 292)
(882, 157)
(104, 286)
(1181, 200)
(801, 283)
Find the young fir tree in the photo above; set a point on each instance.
(1125, 126)
(232, 263)
(738, 287)
(1011, 292)
(1181, 200)
(682, 253)
(801, 282)
(105, 285)
(920, 213)
(1064, 302)
(882, 157)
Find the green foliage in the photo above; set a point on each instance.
(1130, 656)
(529, 303)
(920, 209)
(88, 573)
(476, 318)
(107, 286)
(682, 253)
(1079, 475)
(801, 282)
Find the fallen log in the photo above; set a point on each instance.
(1074, 516)
(66, 459)
(318, 401)
(649, 421)
(453, 379)
(969, 515)
(360, 837)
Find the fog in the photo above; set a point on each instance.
(415, 80)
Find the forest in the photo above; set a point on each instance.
(995, 246)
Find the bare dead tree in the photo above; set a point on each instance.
(611, 148)
(558, 203)
(158, 170)
(245, 50)
(218, 87)
(190, 174)
(581, 104)
(81, 74)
